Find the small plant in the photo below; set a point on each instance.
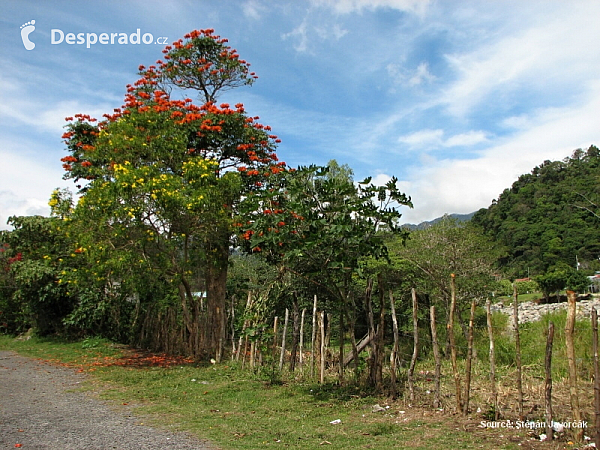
(93, 342)
(380, 429)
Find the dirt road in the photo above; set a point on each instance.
(41, 409)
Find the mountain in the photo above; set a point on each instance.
(549, 217)
(427, 224)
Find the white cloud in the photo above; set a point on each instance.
(418, 7)
(435, 138)
(26, 183)
(463, 186)
(300, 34)
(335, 32)
(252, 9)
(466, 139)
(536, 56)
(423, 138)
(421, 76)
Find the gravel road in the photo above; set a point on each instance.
(38, 410)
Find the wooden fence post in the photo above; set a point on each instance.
(301, 356)
(413, 360)
(469, 359)
(314, 336)
(518, 351)
(322, 328)
(394, 354)
(285, 324)
(275, 322)
(596, 377)
(569, 330)
(453, 342)
(548, 384)
(436, 356)
(492, 354)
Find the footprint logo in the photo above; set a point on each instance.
(26, 30)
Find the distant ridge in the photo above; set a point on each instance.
(424, 225)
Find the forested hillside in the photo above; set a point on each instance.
(550, 217)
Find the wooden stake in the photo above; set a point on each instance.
(436, 356)
(322, 328)
(518, 352)
(275, 322)
(469, 360)
(453, 342)
(341, 347)
(246, 323)
(285, 324)
(596, 376)
(295, 333)
(301, 358)
(413, 361)
(394, 355)
(252, 353)
(492, 354)
(548, 383)
(569, 330)
(314, 336)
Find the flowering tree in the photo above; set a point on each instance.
(171, 174)
(317, 223)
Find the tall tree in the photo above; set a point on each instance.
(450, 247)
(174, 172)
(317, 223)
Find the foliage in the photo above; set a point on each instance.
(33, 294)
(165, 178)
(318, 220)
(562, 277)
(547, 216)
(505, 287)
(450, 247)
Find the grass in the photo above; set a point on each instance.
(240, 409)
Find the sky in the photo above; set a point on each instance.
(454, 98)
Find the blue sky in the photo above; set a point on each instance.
(455, 98)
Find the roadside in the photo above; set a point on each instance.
(41, 409)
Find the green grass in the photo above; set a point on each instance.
(239, 409)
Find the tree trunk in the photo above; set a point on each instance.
(216, 286)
